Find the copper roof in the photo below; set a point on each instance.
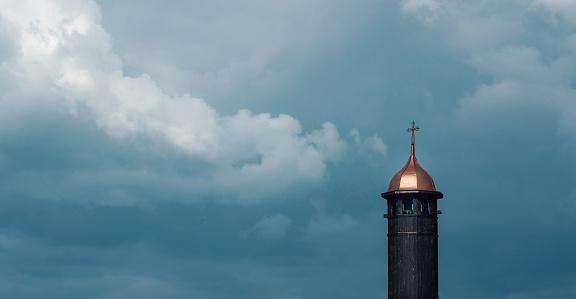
(412, 177)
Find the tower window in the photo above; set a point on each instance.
(424, 208)
(407, 206)
(418, 206)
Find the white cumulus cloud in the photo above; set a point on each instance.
(60, 54)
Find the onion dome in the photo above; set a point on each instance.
(412, 177)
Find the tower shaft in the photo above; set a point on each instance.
(412, 247)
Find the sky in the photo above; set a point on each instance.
(238, 149)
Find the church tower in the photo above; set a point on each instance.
(412, 231)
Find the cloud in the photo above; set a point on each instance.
(469, 26)
(61, 55)
(335, 234)
(373, 143)
(323, 225)
(566, 9)
(272, 227)
(228, 48)
(425, 11)
(499, 40)
(522, 78)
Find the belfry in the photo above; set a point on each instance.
(412, 231)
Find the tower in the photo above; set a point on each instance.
(412, 231)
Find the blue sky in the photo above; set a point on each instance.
(238, 149)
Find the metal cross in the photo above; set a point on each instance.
(414, 128)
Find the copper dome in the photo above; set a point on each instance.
(412, 177)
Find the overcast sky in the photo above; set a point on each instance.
(238, 149)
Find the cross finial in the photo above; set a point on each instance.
(414, 128)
